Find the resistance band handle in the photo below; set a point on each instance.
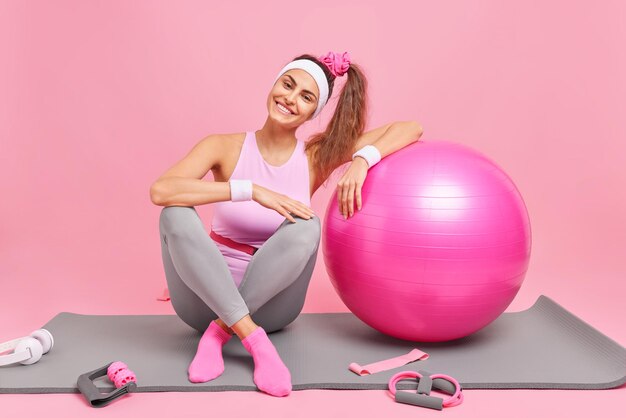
(419, 400)
(438, 383)
(92, 393)
(425, 383)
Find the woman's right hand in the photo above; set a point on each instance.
(281, 203)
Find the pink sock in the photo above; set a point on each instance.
(270, 373)
(208, 362)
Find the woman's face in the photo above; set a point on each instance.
(297, 91)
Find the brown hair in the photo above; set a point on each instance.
(333, 147)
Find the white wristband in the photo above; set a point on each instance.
(370, 153)
(240, 190)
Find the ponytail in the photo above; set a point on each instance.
(334, 146)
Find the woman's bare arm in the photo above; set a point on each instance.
(180, 191)
(182, 184)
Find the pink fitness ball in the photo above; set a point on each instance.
(439, 249)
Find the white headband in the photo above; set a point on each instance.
(318, 75)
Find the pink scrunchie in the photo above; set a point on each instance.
(336, 63)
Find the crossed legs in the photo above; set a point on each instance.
(271, 293)
(272, 290)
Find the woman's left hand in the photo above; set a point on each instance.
(349, 187)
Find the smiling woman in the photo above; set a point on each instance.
(251, 273)
(289, 82)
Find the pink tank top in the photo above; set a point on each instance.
(249, 222)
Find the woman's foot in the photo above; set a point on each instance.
(270, 373)
(208, 362)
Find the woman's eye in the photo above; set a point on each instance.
(286, 84)
(308, 98)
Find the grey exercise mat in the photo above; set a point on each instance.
(544, 347)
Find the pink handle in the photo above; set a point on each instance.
(120, 375)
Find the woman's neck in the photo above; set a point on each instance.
(272, 135)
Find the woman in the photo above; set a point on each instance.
(250, 275)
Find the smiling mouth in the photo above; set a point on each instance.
(282, 109)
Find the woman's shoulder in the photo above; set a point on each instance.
(226, 143)
(229, 138)
(231, 145)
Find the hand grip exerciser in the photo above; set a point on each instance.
(123, 378)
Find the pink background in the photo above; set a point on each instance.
(97, 99)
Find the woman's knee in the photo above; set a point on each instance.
(305, 233)
(178, 220)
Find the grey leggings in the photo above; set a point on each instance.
(202, 288)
